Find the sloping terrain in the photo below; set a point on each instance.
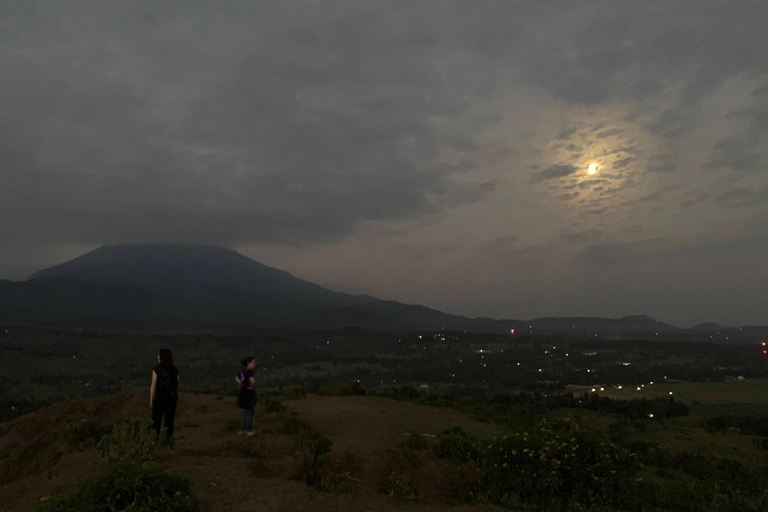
(232, 472)
(186, 288)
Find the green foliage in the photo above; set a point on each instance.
(84, 434)
(292, 426)
(10, 409)
(398, 479)
(128, 486)
(752, 426)
(414, 442)
(267, 404)
(296, 393)
(512, 409)
(551, 466)
(313, 447)
(403, 392)
(349, 388)
(25, 462)
(134, 439)
(456, 445)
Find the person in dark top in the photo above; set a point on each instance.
(164, 392)
(246, 398)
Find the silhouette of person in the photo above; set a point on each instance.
(164, 392)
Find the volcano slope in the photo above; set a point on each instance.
(363, 471)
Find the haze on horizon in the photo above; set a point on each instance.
(434, 152)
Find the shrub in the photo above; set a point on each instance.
(134, 439)
(296, 393)
(269, 404)
(84, 434)
(399, 476)
(351, 388)
(128, 486)
(414, 442)
(313, 447)
(553, 466)
(456, 445)
(328, 391)
(292, 426)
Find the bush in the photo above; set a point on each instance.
(269, 404)
(456, 445)
(352, 388)
(296, 393)
(84, 434)
(552, 466)
(398, 479)
(128, 486)
(751, 426)
(293, 426)
(135, 439)
(414, 442)
(313, 447)
(328, 391)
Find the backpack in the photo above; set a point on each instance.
(167, 387)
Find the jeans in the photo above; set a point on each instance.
(164, 412)
(248, 419)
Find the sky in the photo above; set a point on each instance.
(432, 152)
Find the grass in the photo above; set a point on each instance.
(25, 463)
(127, 486)
(748, 392)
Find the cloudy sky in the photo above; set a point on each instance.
(433, 152)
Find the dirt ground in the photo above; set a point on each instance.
(231, 472)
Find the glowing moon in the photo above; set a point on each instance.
(592, 169)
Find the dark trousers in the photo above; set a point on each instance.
(164, 412)
(247, 424)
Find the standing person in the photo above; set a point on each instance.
(246, 398)
(164, 392)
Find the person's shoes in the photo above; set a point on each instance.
(251, 433)
(241, 433)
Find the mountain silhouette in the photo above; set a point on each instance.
(189, 288)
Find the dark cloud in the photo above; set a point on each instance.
(554, 172)
(743, 197)
(301, 123)
(502, 244)
(608, 133)
(622, 163)
(567, 133)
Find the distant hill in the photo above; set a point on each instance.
(199, 287)
(190, 288)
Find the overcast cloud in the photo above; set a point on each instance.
(432, 151)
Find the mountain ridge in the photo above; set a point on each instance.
(214, 286)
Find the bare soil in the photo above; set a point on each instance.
(236, 473)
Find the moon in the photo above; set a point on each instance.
(592, 169)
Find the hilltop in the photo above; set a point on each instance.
(232, 472)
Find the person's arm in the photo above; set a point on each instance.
(238, 380)
(152, 390)
(252, 384)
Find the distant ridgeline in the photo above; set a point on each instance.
(184, 289)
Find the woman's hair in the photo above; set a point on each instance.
(247, 361)
(166, 358)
